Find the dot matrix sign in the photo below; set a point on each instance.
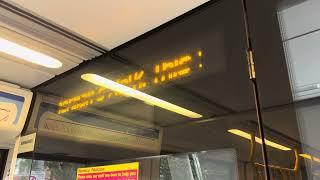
(165, 71)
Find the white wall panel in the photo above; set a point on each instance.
(301, 18)
(300, 29)
(304, 53)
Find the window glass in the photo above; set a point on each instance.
(28, 169)
(300, 37)
(284, 35)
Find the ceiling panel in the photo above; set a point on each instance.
(300, 19)
(25, 76)
(108, 23)
(29, 32)
(69, 61)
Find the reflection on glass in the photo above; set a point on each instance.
(37, 169)
(258, 140)
(300, 37)
(205, 165)
(308, 156)
(114, 86)
(163, 72)
(22, 169)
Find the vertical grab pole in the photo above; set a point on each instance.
(253, 80)
(261, 130)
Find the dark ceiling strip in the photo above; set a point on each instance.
(51, 26)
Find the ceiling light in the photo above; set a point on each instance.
(114, 86)
(308, 156)
(258, 140)
(27, 54)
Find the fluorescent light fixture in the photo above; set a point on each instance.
(308, 156)
(114, 86)
(27, 54)
(258, 140)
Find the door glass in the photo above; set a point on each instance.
(285, 38)
(3, 161)
(28, 169)
(183, 87)
(206, 165)
(301, 39)
(219, 164)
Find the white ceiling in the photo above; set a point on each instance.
(107, 22)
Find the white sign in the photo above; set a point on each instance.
(27, 143)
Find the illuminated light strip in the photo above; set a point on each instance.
(27, 54)
(308, 156)
(114, 86)
(258, 140)
(199, 53)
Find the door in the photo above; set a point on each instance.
(3, 160)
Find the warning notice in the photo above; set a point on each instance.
(128, 171)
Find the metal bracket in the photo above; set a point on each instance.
(251, 66)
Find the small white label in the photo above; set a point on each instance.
(27, 143)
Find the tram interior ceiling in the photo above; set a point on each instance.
(180, 94)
